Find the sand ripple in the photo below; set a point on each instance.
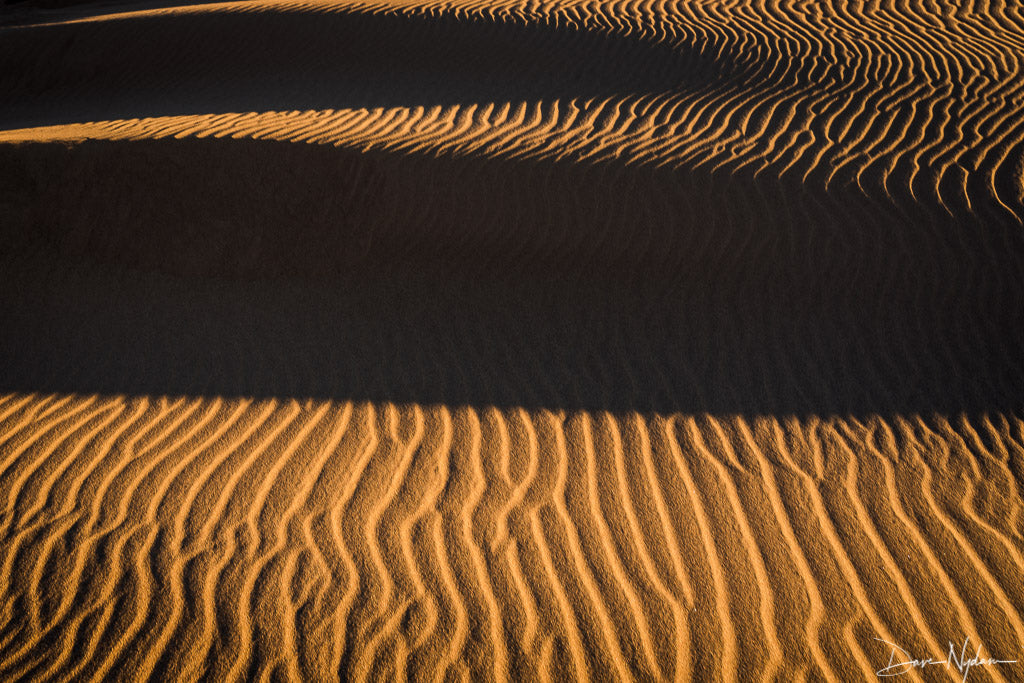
(186, 537)
(568, 339)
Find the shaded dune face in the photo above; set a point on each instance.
(604, 341)
(476, 281)
(219, 62)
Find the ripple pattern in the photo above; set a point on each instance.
(914, 102)
(511, 339)
(315, 540)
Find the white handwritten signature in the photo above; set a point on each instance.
(903, 663)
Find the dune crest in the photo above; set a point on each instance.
(830, 96)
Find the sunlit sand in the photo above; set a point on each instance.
(512, 340)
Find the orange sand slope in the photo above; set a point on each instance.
(512, 340)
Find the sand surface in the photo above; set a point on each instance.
(506, 339)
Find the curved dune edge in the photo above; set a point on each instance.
(913, 102)
(184, 537)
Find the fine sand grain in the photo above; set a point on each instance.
(511, 340)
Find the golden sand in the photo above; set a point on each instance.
(512, 340)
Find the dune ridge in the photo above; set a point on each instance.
(511, 340)
(829, 95)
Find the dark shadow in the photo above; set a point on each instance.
(20, 12)
(221, 267)
(28, 12)
(283, 61)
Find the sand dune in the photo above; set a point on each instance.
(504, 340)
(231, 537)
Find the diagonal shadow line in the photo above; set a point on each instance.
(241, 267)
(220, 62)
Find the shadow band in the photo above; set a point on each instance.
(231, 267)
(226, 62)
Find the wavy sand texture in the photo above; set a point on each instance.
(595, 340)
